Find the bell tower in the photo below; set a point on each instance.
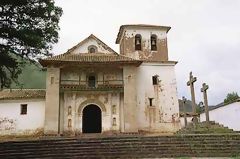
(144, 42)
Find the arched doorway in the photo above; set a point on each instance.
(92, 119)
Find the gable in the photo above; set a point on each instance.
(91, 42)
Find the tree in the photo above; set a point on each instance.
(28, 29)
(231, 97)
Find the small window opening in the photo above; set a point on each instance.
(138, 42)
(150, 101)
(114, 121)
(155, 80)
(153, 42)
(69, 110)
(69, 123)
(52, 80)
(92, 50)
(23, 109)
(91, 81)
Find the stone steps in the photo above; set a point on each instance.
(206, 128)
(225, 145)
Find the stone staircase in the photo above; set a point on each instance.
(205, 128)
(135, 146)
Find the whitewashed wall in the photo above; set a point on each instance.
(12, 122)
(228, 115)
(166, 115)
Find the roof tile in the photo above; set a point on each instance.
(88, 58)
(22, 94)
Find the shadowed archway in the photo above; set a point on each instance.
(92, 119)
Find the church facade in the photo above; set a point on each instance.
(93, 89)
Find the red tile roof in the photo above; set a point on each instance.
(22, 94)
(89, 58)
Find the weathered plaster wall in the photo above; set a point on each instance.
(228, 115)
(12, 122)
(163, 116)
(52, 101)
(84, 47)
(130, 99)
(127, 44)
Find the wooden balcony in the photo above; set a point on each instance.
(76, 85)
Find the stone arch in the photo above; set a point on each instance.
(91, 101)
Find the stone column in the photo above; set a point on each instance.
(204, 90)
(51, 125)
(130, 99)
(191, 84)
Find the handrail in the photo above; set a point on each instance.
(98, 82)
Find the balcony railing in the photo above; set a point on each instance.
(105, 85)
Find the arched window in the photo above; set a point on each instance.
(92, 49)
(69, 110)
(153, 42)
(138, 42)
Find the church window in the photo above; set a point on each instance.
(138, 42)
(69, 123)
(155, 80)
(91, 81)
(23, 109)
(150, 101)
(69, 110)
(153, 42)
(92, 49)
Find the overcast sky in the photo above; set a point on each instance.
(205, 35)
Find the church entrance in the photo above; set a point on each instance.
(92, 119)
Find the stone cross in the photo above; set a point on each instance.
(184, 110)
(191, 84)
(204, 90)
